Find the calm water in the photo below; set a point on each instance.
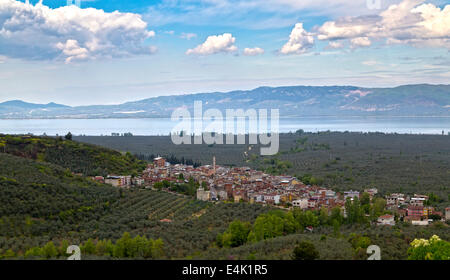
(416, 125)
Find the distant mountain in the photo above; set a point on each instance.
(293, 101)
(21, 109)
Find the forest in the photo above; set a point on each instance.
(86, 159)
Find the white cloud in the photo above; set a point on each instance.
(360, 42)
(215, 44)
(253, 51)
(335, 45)
(409, 22)
(299, 41)
(73, 51)
(188, 36)
(69, 33)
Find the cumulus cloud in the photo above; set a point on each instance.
(299, 41)
(253, 51)
(215, 44)
(72, 50)
(409, 22)
(70, 33)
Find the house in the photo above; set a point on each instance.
(447, 214)
(420, 223)
(415, 211)
(428, 210)
(99, 179)
(386, 220)
(312, 203)
(159, 162)
(371, 192)
(395, 199)
(203, 195)
(417, 201)
(138, 181)
(300, 203)
(351, 194)
(114, 180)
(125, 180)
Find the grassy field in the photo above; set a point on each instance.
(342, 161)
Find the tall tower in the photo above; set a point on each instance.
(214, 164)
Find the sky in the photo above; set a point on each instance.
(111, 51)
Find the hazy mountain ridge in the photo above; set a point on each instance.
(293, 101)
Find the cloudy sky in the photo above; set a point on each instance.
(112, 51)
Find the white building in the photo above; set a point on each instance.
(420, 223)
(351, 194)
(203, 195)
(386, 220)
(300, 203)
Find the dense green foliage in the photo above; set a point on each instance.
(78, 157)
(432, 249)
(138, 247)
(305, 251)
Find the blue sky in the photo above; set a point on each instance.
(109, 52)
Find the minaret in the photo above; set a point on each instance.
(214, 164)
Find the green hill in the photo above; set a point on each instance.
(86, 159)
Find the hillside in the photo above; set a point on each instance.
(293, 101)
(42, 202)
(44, 207)
(86, 159)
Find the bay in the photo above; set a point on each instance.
(164, 126)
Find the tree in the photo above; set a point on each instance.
(305, 251)
(355, 214)
(323, 216)
(236, 234)
(49, 250)
(365, 199)
(306, 219)
(68, 136)
(88, 248)
(336, 215)
(378, 207)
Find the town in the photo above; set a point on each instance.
(242, 184)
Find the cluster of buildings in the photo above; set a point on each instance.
(218, 183)
(413, 209)
(120, 181)
(237, 184)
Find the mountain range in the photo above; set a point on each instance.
(292, 101)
